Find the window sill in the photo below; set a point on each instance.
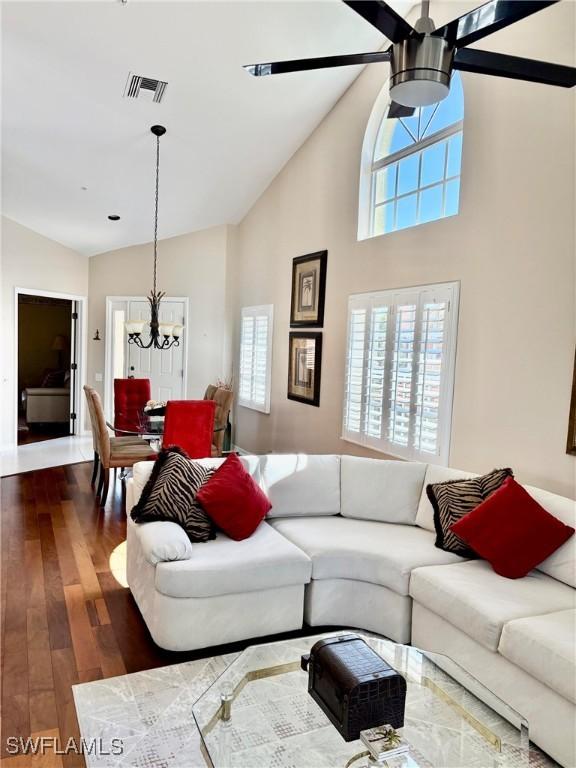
(260, 408)
(431, 459)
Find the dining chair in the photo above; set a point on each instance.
(117, 454)
(189, 424)
(130, 397)
(223, 399)
(115, 441)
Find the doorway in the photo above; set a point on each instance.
(46, 367)
(166, 369)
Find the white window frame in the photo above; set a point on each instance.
(449, 292)
(417, 148)
(257, 311)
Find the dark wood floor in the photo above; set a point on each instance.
(65, 617)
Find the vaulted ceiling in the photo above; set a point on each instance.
(76, 150)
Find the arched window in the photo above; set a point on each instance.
(411, 165)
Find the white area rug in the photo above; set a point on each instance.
(151, 712)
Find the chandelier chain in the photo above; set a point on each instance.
(159, 333)
(156, 211)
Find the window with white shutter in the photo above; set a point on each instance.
(400, 363)
(255, 357)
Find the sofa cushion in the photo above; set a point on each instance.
(561, 564)
(544, 647)
(364, 550)
(162, 541)
(299, 485)
(233, 500)
(222, 566)
(436, 474)
(388, 491)
(479, 602)
(512, 531)
(170, 494)
(455, 499)
(142, 470)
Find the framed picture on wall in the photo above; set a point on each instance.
(308, 290)
(571, 442)
(304, 367)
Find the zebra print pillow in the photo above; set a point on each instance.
(454, 499)
(170, 494)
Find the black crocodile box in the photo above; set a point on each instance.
(354, 686)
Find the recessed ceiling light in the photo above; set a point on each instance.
(84, 189)
(114, 217)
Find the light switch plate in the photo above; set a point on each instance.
(98, 377)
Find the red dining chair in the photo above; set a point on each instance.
(189, 424)
(130, 397)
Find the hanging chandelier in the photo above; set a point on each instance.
(162, 335)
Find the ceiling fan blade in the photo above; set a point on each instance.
(399, 110)
(299, 65)
(384, 18)
(488, 18)
(502, 65)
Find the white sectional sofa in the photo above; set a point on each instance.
(350, 542)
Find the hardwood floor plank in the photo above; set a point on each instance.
(68, 567)
(102, 611)
(55, 602)
(48, 758)
(17, 761)
(85, 566)
(65, 676)
(92, 612)
(88, 675)
(43, 710)
(111, 661)
(15, 705)
(41, 700)
(83, 642)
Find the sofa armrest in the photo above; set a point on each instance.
(162, 541)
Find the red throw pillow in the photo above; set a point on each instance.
(512, 531)
(233, 500)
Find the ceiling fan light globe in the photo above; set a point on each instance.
(419, 93)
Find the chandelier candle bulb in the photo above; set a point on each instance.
(134, 326)
(166, 329)
(177, 330)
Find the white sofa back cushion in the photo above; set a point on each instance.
(162, 541)
(561, 564)
(436, 474)
(143, 469)
(300, 485)
(386, 491)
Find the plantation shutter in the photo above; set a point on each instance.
(255, 357)
(399, 371)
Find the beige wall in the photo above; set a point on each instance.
(32, 261)
(192, 265)
(512, 248)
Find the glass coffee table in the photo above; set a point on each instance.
(258, 714)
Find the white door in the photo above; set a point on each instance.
(165, 369)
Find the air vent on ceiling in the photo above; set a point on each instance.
(138, 86)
